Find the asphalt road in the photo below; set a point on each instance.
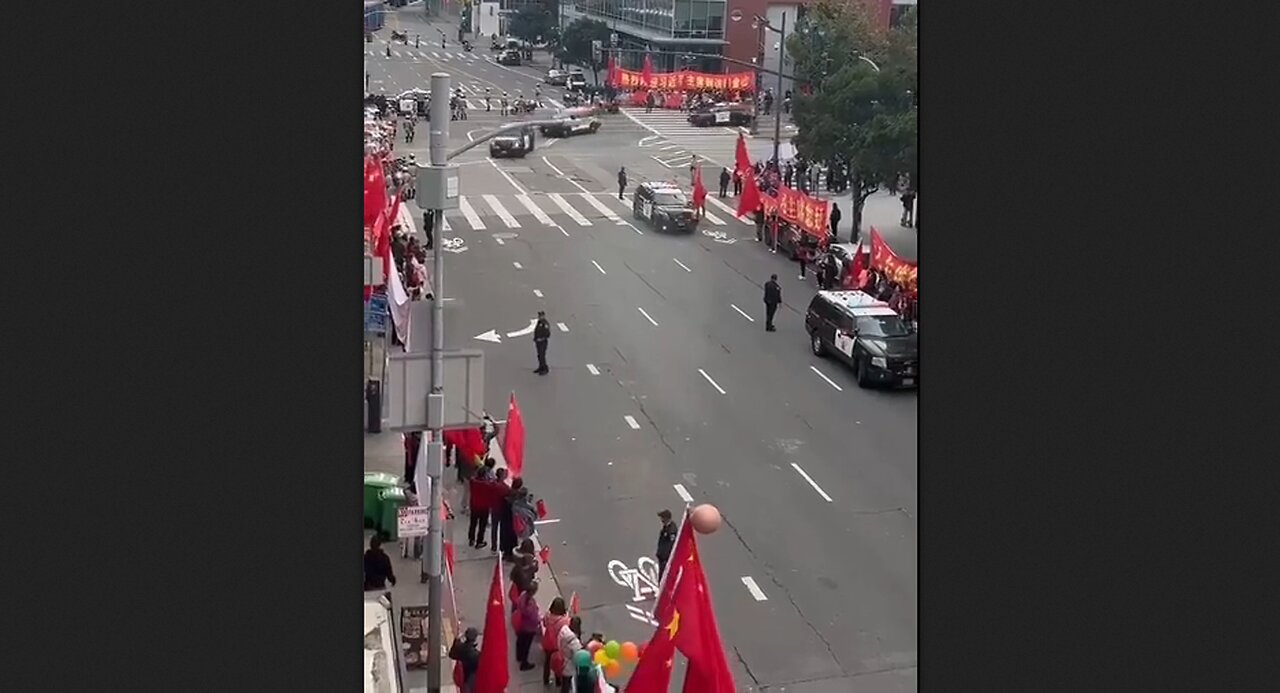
(664, 387)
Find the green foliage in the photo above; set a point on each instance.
(856, 113)
(533, 22)
(576, 44)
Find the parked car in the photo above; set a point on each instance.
(725, 114)
(509, 57)
(556, 77)
(866, 334)
(514, 145)
(663, 206)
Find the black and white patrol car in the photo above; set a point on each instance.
(509, 57)
(664, 207)
(866, 334)
(514, 145)
(725, 114)
(571, 124)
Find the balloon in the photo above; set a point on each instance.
(601, 657)
(612, 669)
(629, 652)
(594, 645)
(613, 649)
(582, 658)
(706, 518)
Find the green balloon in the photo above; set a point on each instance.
(582, 658)
(613, 649)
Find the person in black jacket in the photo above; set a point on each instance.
(724, 181)
(666, 541)
(772, 297)
(622, 181)
(542, 335)
(377, 566)
(464, 651)
(835, 222)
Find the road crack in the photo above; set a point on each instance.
(656, 428)
(646, 281)
(786, 592)
(746, 666)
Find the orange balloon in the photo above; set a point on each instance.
(613, 668)
(630, 652)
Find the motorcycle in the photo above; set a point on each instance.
(466, 46)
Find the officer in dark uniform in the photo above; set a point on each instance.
(772, 297)
(542, 335)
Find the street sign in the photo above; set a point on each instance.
(409, 383)
(375, 315)
(413, 520)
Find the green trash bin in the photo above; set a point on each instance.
(391, 500)
(374, 484)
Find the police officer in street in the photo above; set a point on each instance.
(622, 181)
(487, 106)
(542, 335)
(772, 297)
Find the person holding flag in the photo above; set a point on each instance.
(493, 671)
(699, 192)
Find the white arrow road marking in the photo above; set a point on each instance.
(681, 265)
(535, 210)
(753, 588)
(490, 336)
(631, 421)
(567, 209)
(683, 493)
(528, 330)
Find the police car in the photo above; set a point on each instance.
(574, 121)
(664, 206)
(866, 334)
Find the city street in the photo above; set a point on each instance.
(665, 389)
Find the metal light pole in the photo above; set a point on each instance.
(777, 117)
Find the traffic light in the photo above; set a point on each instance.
(596, 47)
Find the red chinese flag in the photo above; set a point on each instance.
(493, 673)
(741, 162)
(646, 73)
(545, 555)
(699, 190)
(513, 440)
(698, 637)
(375, 189)
(855, 269)
(681, 552)
(750, 198)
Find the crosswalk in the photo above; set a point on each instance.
(420, 54)
(539, 209)
(474, 93)
(676, 143)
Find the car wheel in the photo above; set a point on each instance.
(863, 374)
(815, 344)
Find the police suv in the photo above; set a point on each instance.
(866, 334)
(664, 206)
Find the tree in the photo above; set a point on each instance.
(855, 112)
(576, 44)
(531, 23)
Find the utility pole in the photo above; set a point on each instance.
(777, 115)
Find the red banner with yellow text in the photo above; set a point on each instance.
(794, 207)
(686, 80)
(883, 258)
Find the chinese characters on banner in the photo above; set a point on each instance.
(884, 259)
(683, 81)
(794, 207)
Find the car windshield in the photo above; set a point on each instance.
(667, 199)
(882, 326)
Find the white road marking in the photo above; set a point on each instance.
(681, 264)
(670, 147)
(546, 522)
(567, 209)
(445, 222)
(733, 213)
(812, 483)
(499, 241)
(824, 377)
(553, 167)
(496, 205)
(713, 218)
(535, 210)
(753, 588)
(684, 494)
(713, 383)
(537, 292)
(631, 421)
(563, 327)
(608, 213)
(470, 213)
(437, 56)
(599, 267)
(646, 315)
(518, 265)
(510, 180)
(592, 368)
(742, 313)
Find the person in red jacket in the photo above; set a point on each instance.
(482, 497)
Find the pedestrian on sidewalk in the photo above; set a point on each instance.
(497, 507)
(666, 540)
(569, 643)
(481, 504)
(556, 618)
(908, 207)
(772, 297)
(377, 566)
(541, 336)
(525, 571)
(622, 181)
(528, 622)
(412, 446)
(724, 181)
(835, 222)
(465, 653)
(507, 526)
(523, 513)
